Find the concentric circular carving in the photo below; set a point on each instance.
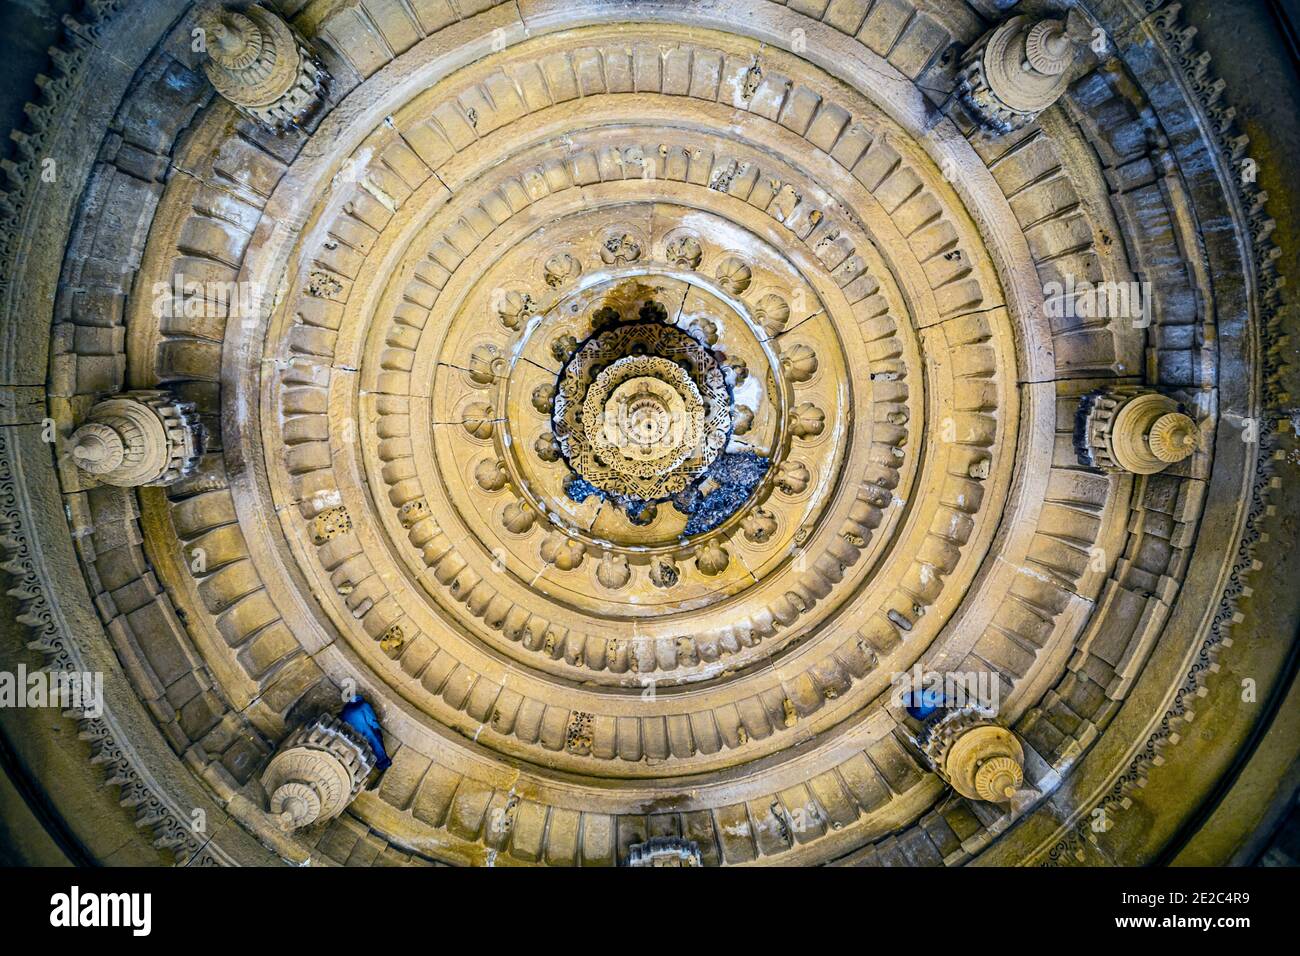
(783, 505)
(631, 406)
(642, 410)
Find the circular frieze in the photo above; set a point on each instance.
(633, 407)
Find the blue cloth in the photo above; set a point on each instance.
(925, 703)
(360, 716)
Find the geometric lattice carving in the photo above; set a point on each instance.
(641, 410)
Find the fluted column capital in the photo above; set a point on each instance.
(1133, 430)
(975, 755)
(261, 65)
(316, 772)
(1020, 68)
(142, 437)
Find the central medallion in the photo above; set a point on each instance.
(643, 413)
(642, 419)
(642, 409)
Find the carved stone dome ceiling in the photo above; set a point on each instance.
(624, 399)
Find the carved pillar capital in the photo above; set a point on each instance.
(143, 437)
(261, 65)
(1018, 69)
(1132, 430)
(977, 756)
(317, 771)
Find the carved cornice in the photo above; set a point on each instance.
(23, 214)
(1164, 25)
(171, 829)
(22, 175)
